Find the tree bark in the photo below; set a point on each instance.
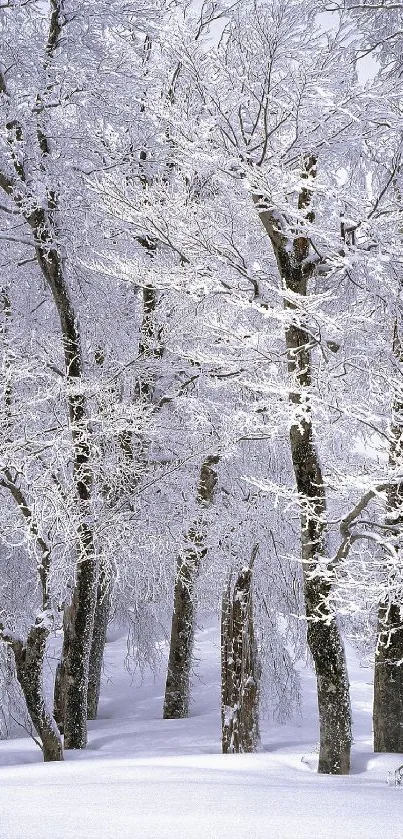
(29, 656)
(79, 624)
(240, 669)
(72, 681)
(101, 619)
(292, 252)
(177, 689)
(29, 659)
(388, 678)
(388, 681)
(323, 635)
(41, 216)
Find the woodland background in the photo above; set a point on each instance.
(201, 370)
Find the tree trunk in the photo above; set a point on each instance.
(177, 689)
(388, 679)
(323, 634)
(79, 626)
(292, 252)
(29, 667)
(240, 669)
(78, 629)
(101, 619)
(41, 216)
(58, 697)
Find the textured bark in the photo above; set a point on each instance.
(58, 697)
(41, 216)
(79, 624)
(323, 635)
(78, 628)
(177, 689)
(324, 640)
(240, 669)
(388, 679)
(29, 659)
(29, 655)
(101, 619)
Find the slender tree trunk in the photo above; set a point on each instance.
(80, 617)
(177, 689)
(29, 656)
(101, 619)
(29, 659)
(388, 680)
(41, 216)
(240, 669)
(324, 639)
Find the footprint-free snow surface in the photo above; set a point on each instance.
(145, 778)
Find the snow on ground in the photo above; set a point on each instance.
(145, 778)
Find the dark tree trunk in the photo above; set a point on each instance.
(78, 628)
(388, 679)
(58, 697)
(177, 689)
(293, 260)
(29, 659)
(41, 216)
(240, 669)
(323, 635)
(29, 656)
(80, 616)
(101, 619)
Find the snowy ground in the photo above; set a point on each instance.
(145, 778)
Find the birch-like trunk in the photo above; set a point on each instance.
(292, 252)
(240, 669)
(177, 688)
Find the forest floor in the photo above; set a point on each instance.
(145, 778)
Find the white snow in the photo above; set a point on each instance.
(145, 778)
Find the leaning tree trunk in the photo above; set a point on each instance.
(29, 658)
(292, 254)
(240, 669)
(177, 689)
(29, 655)
(388, 680)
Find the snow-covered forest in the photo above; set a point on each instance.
(201, 320)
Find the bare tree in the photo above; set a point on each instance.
(41, 216)
(324, 639)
